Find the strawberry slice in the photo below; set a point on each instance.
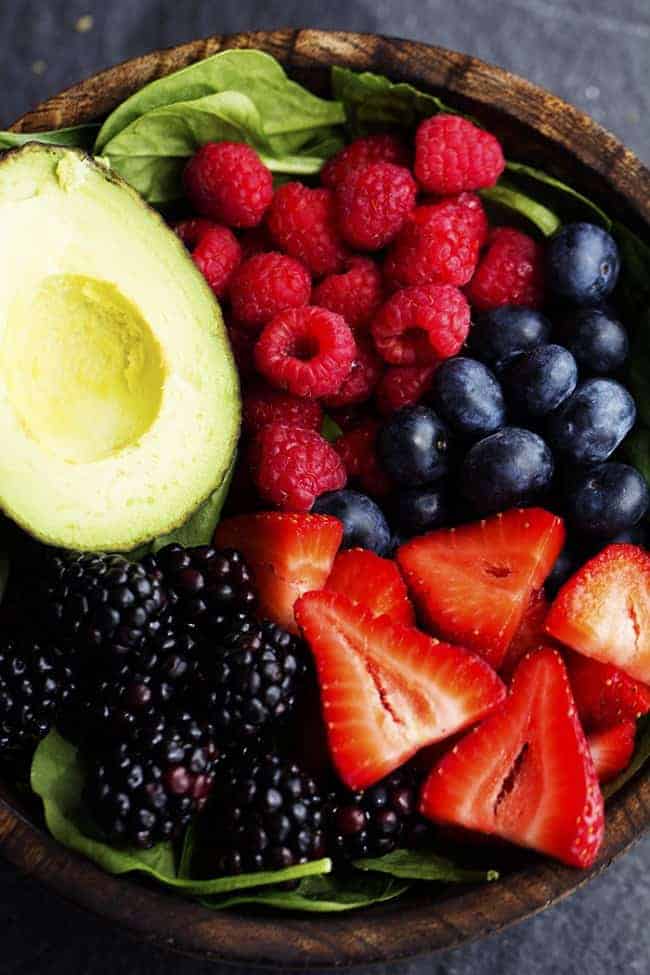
(289, 554)
(603, 611)
(604, 695)
(472, 584)
(372, 582)
(530, 634)
(612, 749)
(525, 774)
(386, 689)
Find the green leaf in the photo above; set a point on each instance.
(324, 894)
(563, 197)
(424, 865)
(330, 429)
(637, 450)
(508, 196)
(639, 758)
(79, 136)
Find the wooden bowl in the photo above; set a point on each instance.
(534, 126)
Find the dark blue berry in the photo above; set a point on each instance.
(504, 332)
(582, 263)
(591, 424)
(420, 510)
(364, 524)
(468, 397)
(509, 468)
(607, 499)
(413, 446)
(637, 535)
(539, 381)
(597, 340)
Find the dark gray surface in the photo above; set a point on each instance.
(592, 52)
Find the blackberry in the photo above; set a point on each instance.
(146, 789)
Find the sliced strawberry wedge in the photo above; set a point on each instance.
(604, 695)
(386, 689)
(530, 634)
(373, 583)
(603, 611)
(612, 749)
(289, 554)
(525, 774)
(472, 584)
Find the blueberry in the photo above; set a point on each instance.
(364, 524)
(509, 468)
(420, 510)
(637, 535)
(504, 332)
(582, 263)
(591, 424)
(539, 381)
(413, 446)
(607, 499)
(468, 397)
(597, 340)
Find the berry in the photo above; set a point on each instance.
(452, 154)
(383, 147)
(607, 499)
(582, 263)
(360, 384)
(413, 445)
(529, 635)
(539, 381)
(468, 397)
(510, 468)
(364, 523)
(570, 558)
(265, 285)
(420, 510)
(242, 343)
(357, 448)
(593, 421)
(292, 466)
(191, 230)
(510, 272)
(306, 351)
(372, 204)
(373, 583)
(604, 695)
(402, 386)
(612, 750)
(598, 341)
(216, 253)
(263, 405)
(420, 326)
(502, 333)
(355, 294)
(228, 182)
(303, 223)
(256, 240)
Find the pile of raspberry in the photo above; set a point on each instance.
(341, 299)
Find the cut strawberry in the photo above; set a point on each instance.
(289, 554)
(388, 690)
(612, 749)
(530, 634)
(374, 583)
(604, 695)
(472, 584)
(603, 611)
(526, 773)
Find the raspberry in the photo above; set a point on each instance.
(227, 181)
(362, 152)
(267, 284)
(355, 295)
(452, 155)
(256, 240)
(242, 342)
(303, 223)
(402, 386)
(191, 230)
(420, 326)
(291, 466)
(357, 450)
(215, 251)
(263, 405)
(511, 272)
(364, 376)
(373, 203)
(438, 244)
(306, 351)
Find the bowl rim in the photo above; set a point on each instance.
(421, 924)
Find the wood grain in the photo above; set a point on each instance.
(535, 127)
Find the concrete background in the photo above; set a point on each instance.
(592, 52)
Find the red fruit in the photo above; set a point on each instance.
(372, 204)
(288, 555)
(228, 182)
(215, 251)
(612, 750)
(191, 230)
(421, 326)
(303, 224)
(263, 405)
(525, 774)
(529, 635)
(373, 583)
(604, 695)
(359, 385)
(604, 610)
(307, 351)
(357, 448)
(386, 689)
(511, 272)
(402, 386)
(368, 149)
(265, 285)
(472, 584)
(355, 294)
(292, 466)
(452, 154)
(242, 343)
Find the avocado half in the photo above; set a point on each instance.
(119, 396)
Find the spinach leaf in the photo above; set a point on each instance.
(637, 450)
(639, 758)
(325, 894)
(508, 196)
(330, 429)
(424, 865)
(562, 196)
(79, 136)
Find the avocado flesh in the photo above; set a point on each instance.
(119, 397)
